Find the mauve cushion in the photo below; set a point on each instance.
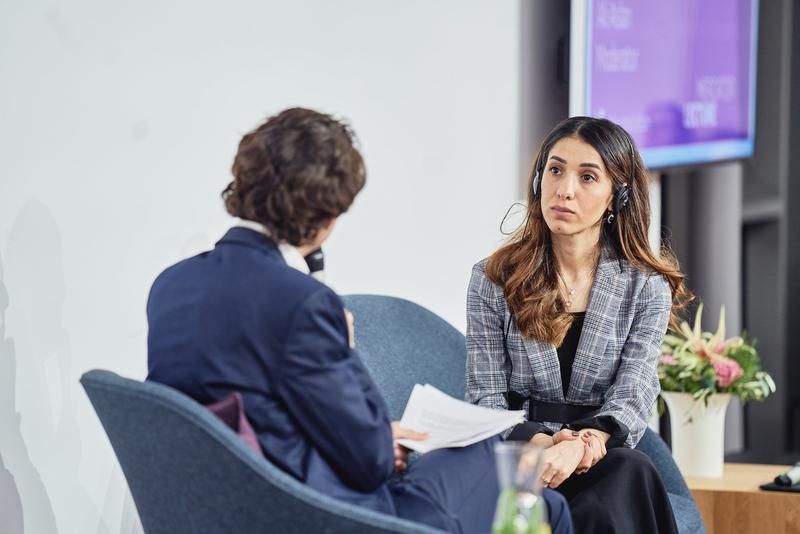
(231, 411)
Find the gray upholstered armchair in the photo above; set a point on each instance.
(190, 473)
(402, 343)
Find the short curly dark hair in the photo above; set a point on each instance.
(294, 173)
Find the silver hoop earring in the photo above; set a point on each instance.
(610, 218)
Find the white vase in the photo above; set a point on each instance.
(698, 433)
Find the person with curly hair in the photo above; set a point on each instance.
(246, 318)
(565, 321)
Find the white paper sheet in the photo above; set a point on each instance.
(451, 422)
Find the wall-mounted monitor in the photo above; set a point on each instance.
(679, 75)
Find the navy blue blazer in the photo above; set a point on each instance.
(238, 318)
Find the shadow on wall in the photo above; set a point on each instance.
(10, 503)
(48, 462)
(17, 473)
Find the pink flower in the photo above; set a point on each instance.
(668, 359)
(728, 370)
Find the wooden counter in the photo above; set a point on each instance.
(733, 504)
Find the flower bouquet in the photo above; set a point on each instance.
(701, 363)
(699, 373)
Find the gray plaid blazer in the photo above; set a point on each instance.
(615, 363)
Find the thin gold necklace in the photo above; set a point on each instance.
(571, 290)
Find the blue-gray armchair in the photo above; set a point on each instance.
(403, 343)
(190, 473)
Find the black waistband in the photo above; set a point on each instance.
(550, 412)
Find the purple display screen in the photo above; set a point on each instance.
(679, 75)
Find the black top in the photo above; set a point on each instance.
(566, 352)
(566, 358)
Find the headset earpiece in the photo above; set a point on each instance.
(536, 183)
(621, 198)
(622, 195)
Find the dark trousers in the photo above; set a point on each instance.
(456, 490)
(623, 493)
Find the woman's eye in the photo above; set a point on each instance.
(589, 178)
(555, 170)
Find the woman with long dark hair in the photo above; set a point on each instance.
(565, 321)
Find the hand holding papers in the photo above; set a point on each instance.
(450, 422)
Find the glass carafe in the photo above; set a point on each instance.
(520, 506)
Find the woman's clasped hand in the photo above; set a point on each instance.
(572, 452)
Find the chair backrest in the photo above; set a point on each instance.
(188, 472)
(403, 344)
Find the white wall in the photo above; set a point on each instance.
(118, 124)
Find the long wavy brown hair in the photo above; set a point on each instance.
(526, 267)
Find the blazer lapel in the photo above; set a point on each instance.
(605, 298)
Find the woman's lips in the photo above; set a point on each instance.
(562, 209)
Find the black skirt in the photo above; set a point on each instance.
(621, 494)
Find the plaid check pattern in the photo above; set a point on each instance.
(615, 363)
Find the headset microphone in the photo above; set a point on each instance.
(316, 264)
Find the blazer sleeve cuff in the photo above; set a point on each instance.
(525, 431)
(607, 423)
